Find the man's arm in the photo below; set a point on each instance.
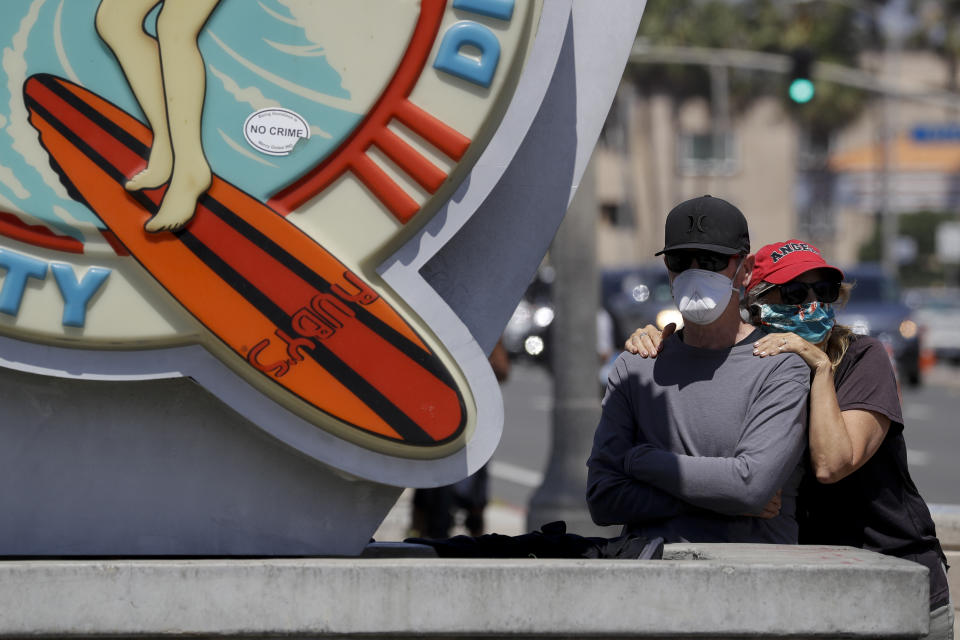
(612, 496)
(772, 444)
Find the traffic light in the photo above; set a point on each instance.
(801, 88)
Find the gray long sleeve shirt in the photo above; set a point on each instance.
(691, 440)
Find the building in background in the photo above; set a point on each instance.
(656, 151)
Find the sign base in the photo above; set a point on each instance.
(162, 468)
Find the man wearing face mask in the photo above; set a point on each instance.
(702, 445)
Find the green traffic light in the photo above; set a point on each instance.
(801, 90)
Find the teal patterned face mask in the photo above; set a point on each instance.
(812, 321)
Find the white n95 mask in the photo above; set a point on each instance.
(701, 295)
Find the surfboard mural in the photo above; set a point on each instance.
(287, 309)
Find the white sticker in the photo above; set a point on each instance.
(275, 131)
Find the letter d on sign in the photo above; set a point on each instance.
(502, 9)
(451, 60)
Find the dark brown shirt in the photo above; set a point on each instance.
(877, 507)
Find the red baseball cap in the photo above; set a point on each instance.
(781, 262)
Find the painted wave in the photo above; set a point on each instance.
(257, 54)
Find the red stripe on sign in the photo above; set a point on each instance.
(395, 199)
(410, 160)
(39, 236)
(254, 264)
(348, 154)
(102, 142)
(424, 398)
(114, 242)
(439, 134)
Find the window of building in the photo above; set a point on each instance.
(616, 214)
(707, 154)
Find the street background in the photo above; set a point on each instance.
(932, 432)
(836, 122)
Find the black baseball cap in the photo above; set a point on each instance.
(706, 223)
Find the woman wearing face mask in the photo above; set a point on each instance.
(858, 491)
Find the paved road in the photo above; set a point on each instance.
(516, 468)
(932, 431)
(932, 416)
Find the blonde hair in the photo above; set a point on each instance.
(840, 336)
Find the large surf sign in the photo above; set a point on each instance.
(219, 190)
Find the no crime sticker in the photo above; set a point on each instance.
(275, 131)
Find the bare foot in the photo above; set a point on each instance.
(157, 171)
(180, 201)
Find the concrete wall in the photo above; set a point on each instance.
(702, 591)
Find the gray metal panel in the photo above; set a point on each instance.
(162, 467)
(484, 269)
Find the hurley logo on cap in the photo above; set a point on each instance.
(786, 249)
(698, 224)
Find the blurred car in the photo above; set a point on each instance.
(637, 296)
(877, 309)
(527, 334)
(632, 297)
(937, 311)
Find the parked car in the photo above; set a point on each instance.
(637, 296)
(937, 311)
(877, 309)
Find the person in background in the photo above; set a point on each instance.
(858, 491)
(702, 446)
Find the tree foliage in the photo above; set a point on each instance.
(938, 29)
(921, 227)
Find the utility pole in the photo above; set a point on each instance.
(891, 19)
(888, 216)
(576, 400)
(720, 102)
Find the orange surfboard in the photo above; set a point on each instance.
(299, 324)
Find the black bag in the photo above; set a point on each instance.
(551, 541)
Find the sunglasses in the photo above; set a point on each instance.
(678, 261)
(796, 292)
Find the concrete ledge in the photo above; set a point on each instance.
(697, 591)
